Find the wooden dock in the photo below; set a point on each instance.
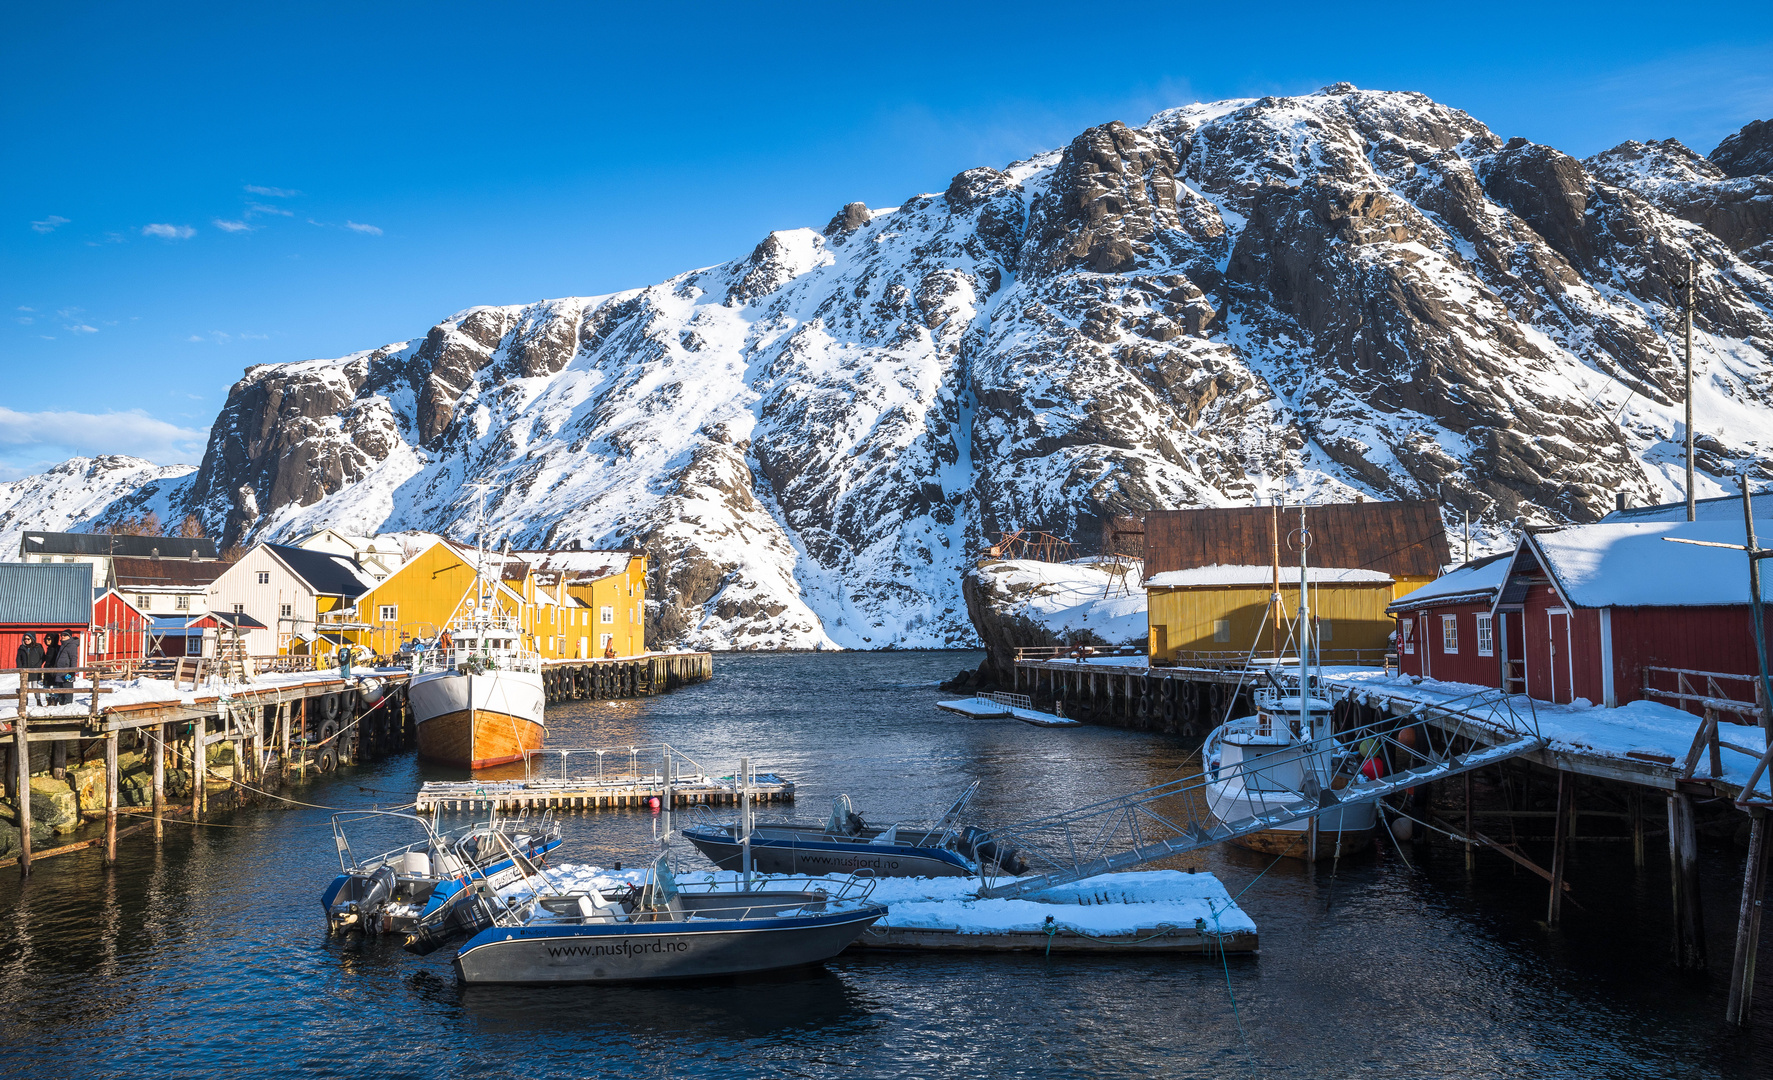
(1164, 939)
(640, 676)
(590, 793)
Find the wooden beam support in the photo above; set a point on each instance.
(159, 780)
(21, 758)
(111, 799)
(1748, 923)
(1560, 851)
(1683, 856)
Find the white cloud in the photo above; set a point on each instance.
(261, 208)
(22, 307)
(24, 320)
(169, 232)
(355, 226)
(54, 434)
(272, 192)
(194, 337)
(81, 328)
(231, 226)
(49, 224)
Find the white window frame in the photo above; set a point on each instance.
(1450, 635)
(287, 610)
(1407, 630)
(264, 577)
(144, 601)
(239, 609)
(1486, 636)
(387, 613)
(181, 603)
(607, 616)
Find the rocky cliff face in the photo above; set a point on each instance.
(1346, 292)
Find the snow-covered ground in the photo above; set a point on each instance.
(1098, 595)
(143, 690)
(1642, 727)
(1111, 904)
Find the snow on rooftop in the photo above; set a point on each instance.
(1262, 575)
(1635, 564)
(1467, 581)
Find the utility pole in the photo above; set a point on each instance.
(1468, 536)
(1688, 306)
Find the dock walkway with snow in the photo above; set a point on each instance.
(1138, 911)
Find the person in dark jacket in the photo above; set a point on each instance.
(67, 655)
(30, 655)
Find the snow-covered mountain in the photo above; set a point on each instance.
(1345, 292)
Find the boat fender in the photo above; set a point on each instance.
(653, 804)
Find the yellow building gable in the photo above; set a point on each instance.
(422, 597)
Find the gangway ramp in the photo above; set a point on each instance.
(1172, 818)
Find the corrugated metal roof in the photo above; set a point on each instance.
(46, 594)
(326, 573)
(136, 573)
(35, 542)
(1403, 539)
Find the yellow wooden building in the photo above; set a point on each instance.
(425, 594)
(593, 603)
(1209, 576)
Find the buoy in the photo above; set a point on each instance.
(1373, 769)
(653, 803)
(1403, 828)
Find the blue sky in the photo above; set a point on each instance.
(190, 189)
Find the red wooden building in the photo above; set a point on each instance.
(119, 629)
(1587, 611)
(1445, 630)
(43, 598)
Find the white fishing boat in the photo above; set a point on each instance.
(1287, 752)
(477, 698)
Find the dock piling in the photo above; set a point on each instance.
(159, 780)
(111, 798)
(1683, 855)
(1748, 923)
(1560, 848)
(21, 760)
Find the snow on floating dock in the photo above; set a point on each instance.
(984, 708)
(1141, 910)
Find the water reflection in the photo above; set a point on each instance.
(207, 952)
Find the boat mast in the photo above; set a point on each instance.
(1277, 611)
(1304, 635)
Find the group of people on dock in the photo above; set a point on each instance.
(54, 651)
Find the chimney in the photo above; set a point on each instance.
(153, 553)
(1619, 500)
(193, 554)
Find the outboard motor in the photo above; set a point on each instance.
(461, 914)
(359, 903)
(975, 843)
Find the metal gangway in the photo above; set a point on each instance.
(1172, 818)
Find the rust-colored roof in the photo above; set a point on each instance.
(1403, 539)
(137, 573)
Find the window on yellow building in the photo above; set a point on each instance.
(608, 614)
(1221, 629)
(1326, 630)
(388, 613)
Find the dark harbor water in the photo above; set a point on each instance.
(207, 954)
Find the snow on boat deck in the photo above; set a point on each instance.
(1141, 910)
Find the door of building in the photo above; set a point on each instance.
(1558, 621)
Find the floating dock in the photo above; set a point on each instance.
(1000, 706)
(589, 793)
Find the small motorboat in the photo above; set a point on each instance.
(661, 931)
(846, 844)
(393, 890)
